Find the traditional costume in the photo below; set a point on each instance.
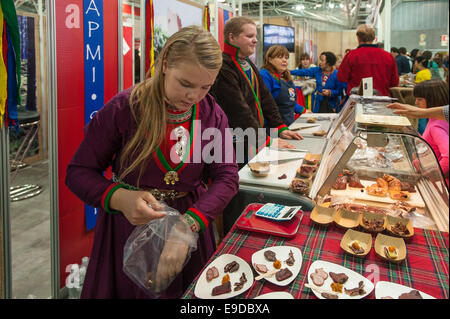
(181, 185)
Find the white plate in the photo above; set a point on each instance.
(353, 279)
(275, 295)
(390, 289)
(282, 253)
(203, 288)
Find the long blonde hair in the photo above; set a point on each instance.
(191, 44)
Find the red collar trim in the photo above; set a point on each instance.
(230, 49)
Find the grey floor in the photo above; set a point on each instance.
(30, 236)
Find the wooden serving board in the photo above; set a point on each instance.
(414, 200)
(383, 120)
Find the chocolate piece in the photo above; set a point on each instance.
(329, 296)
(283, 274)
(282, 176)
(340, 183)
(413, 294)
(339, 278)
(270, 255)
(290, 261)
(358, 291)
(261, 268)
(222, 289)
(212, 273)
(231, 267)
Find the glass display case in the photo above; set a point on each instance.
(375, 160)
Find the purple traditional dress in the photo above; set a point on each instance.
(105, 138)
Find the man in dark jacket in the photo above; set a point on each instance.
(401, 61)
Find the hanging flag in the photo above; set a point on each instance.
(149, 41)
(3, 73)
(10, 16)
(206, 20)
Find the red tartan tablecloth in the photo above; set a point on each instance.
(426, 267)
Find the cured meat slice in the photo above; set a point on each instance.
(212, 273)
(222, 289)
(340, 183)
(283, 274)
(299, 186)
(413, 294)
(326, 295)
(317, 279)
(270, 255)
(358, 291)
(231, 267)
(322, 273)
(354, 182)
(340, 278)
(290, 261)
(261, 268)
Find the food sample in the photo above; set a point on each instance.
(225, 278)
(270, 255)
(261, 268)
(277, 264)
(376, 190)
(312, 159)
(282, 176)
(311, 120)
(358, 291)
(373, 224)
(290, 261)
(400, 229)
(391, 252)
(413, 294)
(212, 273)
(340, 183)
(319, 276)
(320, 133)
(299, 186)
(406, 187)
(231, 267)
(238, 285)
(356, 247)
(387, 297)
(283, 274)
(307, 170)
(336, 287)
(399, 195)
(222, 289)
(354, 182)
(340, 278)
(329, 296)
(260, 168)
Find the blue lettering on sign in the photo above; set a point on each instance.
(93, 73)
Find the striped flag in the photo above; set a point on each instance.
(149, 43)
(206, 19)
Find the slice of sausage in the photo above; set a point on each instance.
(317, 279)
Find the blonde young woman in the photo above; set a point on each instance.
(132, 133)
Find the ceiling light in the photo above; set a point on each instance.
(299, 7)
(341, 5)
(331, 5)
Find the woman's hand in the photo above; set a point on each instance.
(174, 253)
(407, 110)
(325, 92)
(291, 135)
(135, 206)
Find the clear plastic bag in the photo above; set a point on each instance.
(142, 261)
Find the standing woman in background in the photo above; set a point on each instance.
(133, 133)
(328, 87)
(307, 89)
(278, 80)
